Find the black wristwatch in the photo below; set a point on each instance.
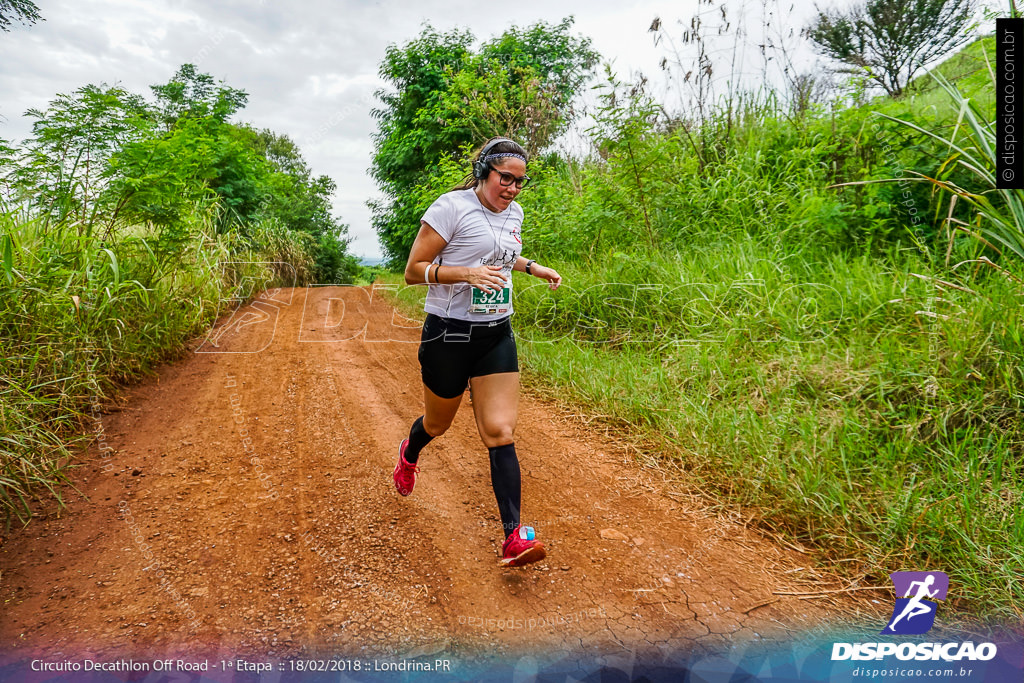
(528, 264)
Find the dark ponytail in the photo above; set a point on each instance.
(507, 147)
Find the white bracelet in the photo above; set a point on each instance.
(426, 274)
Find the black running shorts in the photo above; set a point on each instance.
(452, 351)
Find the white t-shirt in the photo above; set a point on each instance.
(475, 236)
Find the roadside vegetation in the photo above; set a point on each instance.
(813, 309)
(126, 226)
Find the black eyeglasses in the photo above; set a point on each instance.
(506, 179)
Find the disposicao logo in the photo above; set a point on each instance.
(914, 613)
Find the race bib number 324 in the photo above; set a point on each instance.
(491, 302)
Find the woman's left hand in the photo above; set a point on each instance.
(549, 274)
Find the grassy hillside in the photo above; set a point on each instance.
(834, 362)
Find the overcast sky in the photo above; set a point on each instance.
(310, 67)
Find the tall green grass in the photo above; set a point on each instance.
(81, 313)
(871, 413)
(843, 402)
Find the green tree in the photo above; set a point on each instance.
(23, 11)
(563, 62)
(489, 99)
(296, 197)
(417, 73)
(163, 180)
(447, 98)
(191, 94)
(63, 166)
(892, 39)
(199, 150)
(333, 264)
(281, 151)
(302, 202)
(103, 156)
(249, 175)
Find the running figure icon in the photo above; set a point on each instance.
(916, 607)
(919, 591)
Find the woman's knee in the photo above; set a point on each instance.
(436, 426)
(498, 435)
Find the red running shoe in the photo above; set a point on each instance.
(405, 472)
(520, 548)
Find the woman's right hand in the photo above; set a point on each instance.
(486, 278)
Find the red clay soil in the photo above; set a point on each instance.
(247, 506)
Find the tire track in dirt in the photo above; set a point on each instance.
(249, 509)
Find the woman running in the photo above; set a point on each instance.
(468, 244)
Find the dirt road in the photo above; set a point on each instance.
(245, 504)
